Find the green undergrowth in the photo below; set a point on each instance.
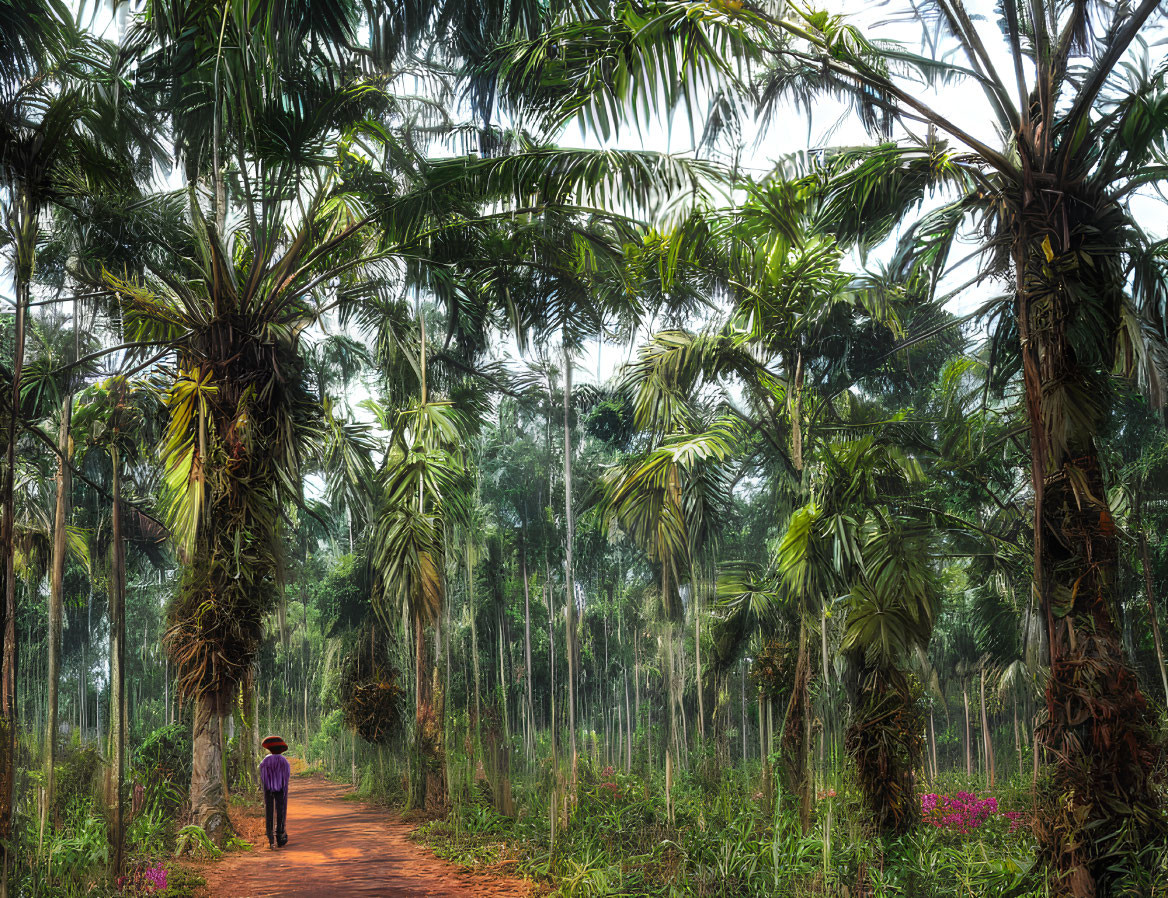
(73, 855)
(724, 841)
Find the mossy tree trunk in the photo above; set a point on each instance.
(797, 731)
(1100, 808)
(208, 798)
(428, 783)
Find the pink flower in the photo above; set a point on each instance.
(962, 812)
(156, 876)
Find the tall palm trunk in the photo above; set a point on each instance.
(474, 639)
(987, 736)
(247, 747)
(1103, 806)
(1018, 737)
(421, 696)
(530, 709)
(428, 787)
(504, 801)
(885, 741)
(968, 736)
(569, 575)
(796, 735)
(56, 604)
(552, 719)
(25, 228)
(117, 615)
(208, 800)
(797, 723)
(933, 740)
(698, 655)
(675, 741)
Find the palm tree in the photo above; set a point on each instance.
(57, 346)
(256, 103)
(891, 610)
(239, 415)
(1077, 123)
(63, 134)
(797, 335)
(671, 502)
(110, 417)
(425, 489)
(857, 535)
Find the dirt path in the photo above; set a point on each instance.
(337, 848)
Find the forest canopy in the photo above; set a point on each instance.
(784, 515)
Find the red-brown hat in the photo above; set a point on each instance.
(275, 745)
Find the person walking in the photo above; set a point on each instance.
(275, 774)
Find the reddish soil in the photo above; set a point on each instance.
(338, 847)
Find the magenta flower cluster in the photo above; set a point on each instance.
(156, 876)
(964, 812)
(144, 881)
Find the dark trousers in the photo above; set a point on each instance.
(276, 805)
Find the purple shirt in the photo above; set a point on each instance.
(275, 772)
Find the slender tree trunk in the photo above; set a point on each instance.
(418, 786)
(671, 689)
(745, 758)
(57, 604)
(247, 758)
(1017, 737)
(629, 722)
(968, 738)
(987, 736)
(117, 666)
(474, 635)
(25, 221)
(569, 572)
(829, 716)
(530, 747)
(547, 588)
(770, 720)
(764, 752)
(933, 740)
(679, 694)
(636, 681)
(448, 771)
(698, 658)
(85, 663)
(797, 722)
(506, 805)
(254, 734)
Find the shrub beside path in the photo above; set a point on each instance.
(337, 848)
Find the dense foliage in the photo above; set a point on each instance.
(659, 524)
